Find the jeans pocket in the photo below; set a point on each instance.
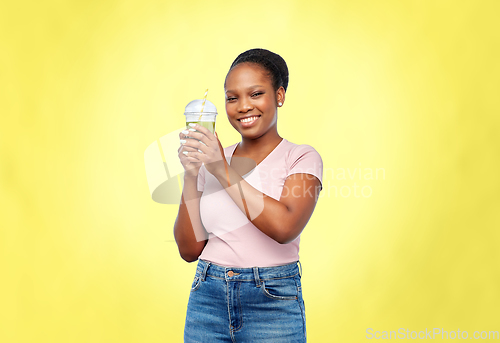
(280, 289)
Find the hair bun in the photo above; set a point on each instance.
(272, 62)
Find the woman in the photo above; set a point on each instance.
(243, 221)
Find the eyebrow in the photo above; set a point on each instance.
(254, 86)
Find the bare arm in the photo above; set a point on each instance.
(190, 235)
(281, 220)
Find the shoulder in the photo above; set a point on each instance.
(296, 152)
(303, 158)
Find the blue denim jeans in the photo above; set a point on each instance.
(257, 304)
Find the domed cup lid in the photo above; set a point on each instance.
(195, 107)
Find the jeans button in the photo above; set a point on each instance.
(230, 273)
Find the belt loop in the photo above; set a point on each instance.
(256, 275)
(300, 268)
(204, 273)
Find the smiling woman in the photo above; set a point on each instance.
(251, 101)
(239, 219)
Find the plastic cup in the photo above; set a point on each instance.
(206, 118)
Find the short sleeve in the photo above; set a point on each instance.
(201, 179)
(305, 159)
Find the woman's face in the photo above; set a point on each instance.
(251, 100)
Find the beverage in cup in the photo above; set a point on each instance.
(202, 112)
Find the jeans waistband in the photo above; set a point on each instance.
(246, 274)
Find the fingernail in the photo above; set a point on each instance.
(192, 130)
(192, 124)
(200, 151)
(185, 152)
(185, 132)
(183, 141)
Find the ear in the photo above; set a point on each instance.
(280, 95)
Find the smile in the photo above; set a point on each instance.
(248, 121)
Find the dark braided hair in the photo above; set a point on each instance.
(273, 63)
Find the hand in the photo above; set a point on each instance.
(204, 147)
(191, 165)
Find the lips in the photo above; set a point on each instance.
(249, 120)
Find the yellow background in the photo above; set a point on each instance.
(408, 86)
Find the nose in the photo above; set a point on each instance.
(244, 105)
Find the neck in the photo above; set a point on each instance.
(263, 143)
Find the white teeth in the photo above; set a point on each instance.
(247, 120)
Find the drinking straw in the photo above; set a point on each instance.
(203, 104)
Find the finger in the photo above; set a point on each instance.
(193, 154)
(186, 134)
(198, 137)
(186, 160)
(186, 148)
(191, 142)
(182, 146)
(194, 145)
(192, 161)
(206, 132)
(193, 133)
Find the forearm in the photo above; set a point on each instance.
(189, 233)
(270, 216)
(281, 220)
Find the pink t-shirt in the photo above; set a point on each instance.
(233, 240)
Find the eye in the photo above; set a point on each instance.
(231, 98)
(256, 94)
